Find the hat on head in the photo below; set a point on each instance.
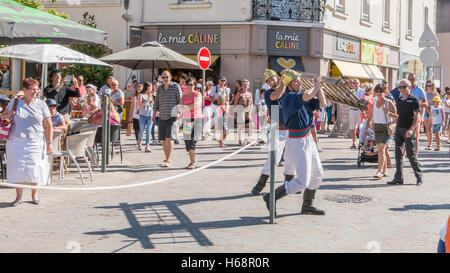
(209, 83)
(437, 99)
(51, 102)
(91, 86)
(288, 76)
(269, 73)
(222, 79)
(198, 85)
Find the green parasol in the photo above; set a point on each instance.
(24, 25)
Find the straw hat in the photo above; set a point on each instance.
(269, 73)
(288, 76)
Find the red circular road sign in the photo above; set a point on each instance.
(204, 58)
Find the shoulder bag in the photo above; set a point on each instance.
(5, 129)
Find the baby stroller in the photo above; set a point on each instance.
(367, 149)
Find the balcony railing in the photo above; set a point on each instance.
(309, 11)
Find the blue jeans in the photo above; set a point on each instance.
(441, 247)
(145, 125)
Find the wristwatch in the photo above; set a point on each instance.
(49, 142)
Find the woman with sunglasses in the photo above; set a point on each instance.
(192, 119)
(380, 116)
(428, 117)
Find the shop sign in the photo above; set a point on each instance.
(281, 63)
(346, 48)
(374, 53)
(190, 40)
(287, 42)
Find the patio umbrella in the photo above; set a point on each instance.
(150, 55)
(25, 25)
(48, 53)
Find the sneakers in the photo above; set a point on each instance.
(147, 149)
(319, 149)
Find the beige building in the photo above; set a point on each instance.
(443, 34)
(368, 39)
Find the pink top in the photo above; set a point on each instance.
(111, 120)
(197, 111)
(207, 102)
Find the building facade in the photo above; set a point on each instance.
(367, 39)
(443, 34)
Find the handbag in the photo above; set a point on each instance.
(6, 125)
(391, 126)
(188, 127)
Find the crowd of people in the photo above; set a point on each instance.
(184, 108)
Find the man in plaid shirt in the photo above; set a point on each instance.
(168, 97)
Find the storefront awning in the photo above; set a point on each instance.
(352, 70)
(213, 58)
(374, 72)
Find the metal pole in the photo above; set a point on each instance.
(203, 86)
(104, 130)
(108, 128)
(274, 114)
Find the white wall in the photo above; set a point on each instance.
(169, 11)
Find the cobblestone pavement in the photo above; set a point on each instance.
(213, 210)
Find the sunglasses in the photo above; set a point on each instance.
(189, 84)
(429, 85)
(379, 91)
(164, 77)
(402, 87)
(411, 79)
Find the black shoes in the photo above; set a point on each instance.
(260, 185)
(307, 207)
(419, 182)
(395, 182)
(280, 192)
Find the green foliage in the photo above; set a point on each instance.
(38, 5)
(93, 74)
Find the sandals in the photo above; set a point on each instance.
(378, 175)
(353, 147)
(428, 148)
(438, 148)
(147, 149)
(191, 166)
(165, 164)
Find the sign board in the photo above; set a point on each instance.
(374, 53)
(428, 38)
(346, 48)
(415, 66)
(188, 39)
(287, 41)
(429, 56)
(204, 58)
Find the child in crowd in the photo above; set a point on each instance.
(222, 113)
(447, 116)
(437, 112)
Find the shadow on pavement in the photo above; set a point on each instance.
(423, 207)
(166, 223)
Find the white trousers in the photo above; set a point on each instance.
(207, 119)
(302, 152)
(289, 169)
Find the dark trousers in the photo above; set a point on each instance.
(400, 139)
(136, 128)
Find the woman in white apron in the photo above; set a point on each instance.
(29, 142)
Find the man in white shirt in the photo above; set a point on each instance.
(353, 113)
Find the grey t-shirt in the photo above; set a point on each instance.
(28, 120)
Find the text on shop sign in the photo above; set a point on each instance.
(287, 41)
(193, 38)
